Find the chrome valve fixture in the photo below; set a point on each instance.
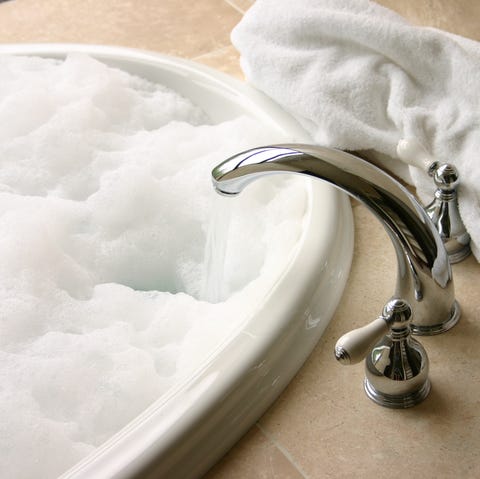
(443, 210)
(396, 365)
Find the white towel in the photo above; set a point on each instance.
(358, 76)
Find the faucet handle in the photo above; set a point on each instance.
(353, 346)
(396, 365)
(443, 210)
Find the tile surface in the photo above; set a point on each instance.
(184, 29)
(322, 426)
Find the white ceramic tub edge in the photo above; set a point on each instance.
(186, 431)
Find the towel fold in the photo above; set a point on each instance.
(358, 76)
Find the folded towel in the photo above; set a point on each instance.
(359, 77)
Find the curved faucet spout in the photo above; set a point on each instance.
(424, 275)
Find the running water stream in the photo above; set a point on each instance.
(214, 288)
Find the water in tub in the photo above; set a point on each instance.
(106, 206)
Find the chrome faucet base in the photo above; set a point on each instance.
(432, 330)
(396, 367)
(396, 401)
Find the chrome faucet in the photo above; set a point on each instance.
(424, 277)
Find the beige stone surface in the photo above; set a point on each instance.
(322, 426)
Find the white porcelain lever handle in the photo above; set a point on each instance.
(353, 346)
(412, 152)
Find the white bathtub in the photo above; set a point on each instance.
(185, 431)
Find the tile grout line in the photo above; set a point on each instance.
(224, 47)
(217, 50)
(288, 456)
(235, 7)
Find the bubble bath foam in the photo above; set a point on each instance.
(106, 206)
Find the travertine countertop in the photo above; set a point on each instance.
(322, 425)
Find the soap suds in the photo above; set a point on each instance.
(106, 204)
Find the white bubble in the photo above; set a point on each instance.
(106, 201)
